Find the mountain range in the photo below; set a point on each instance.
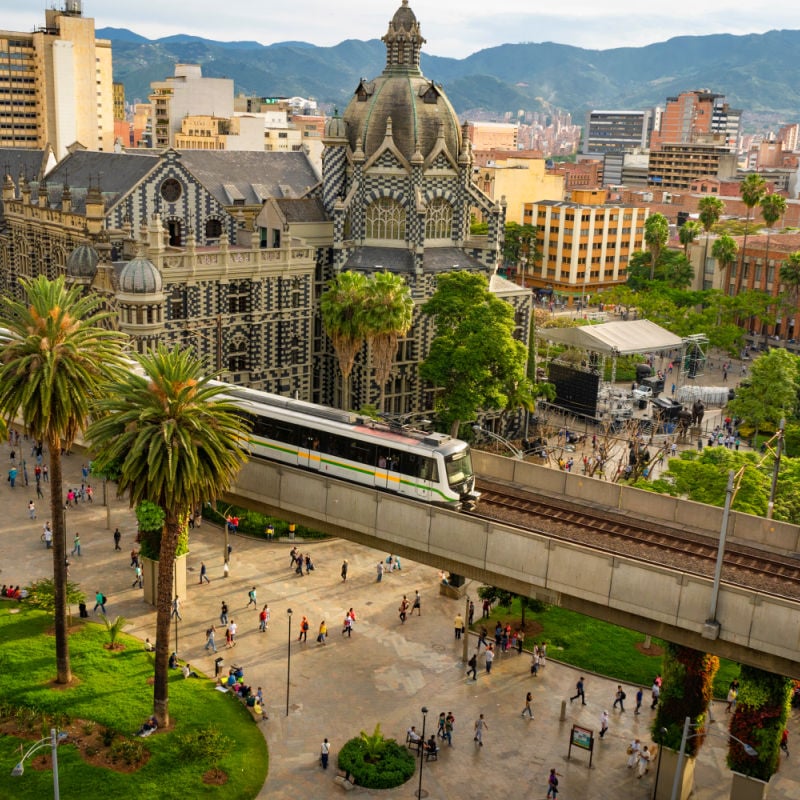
(759, 73)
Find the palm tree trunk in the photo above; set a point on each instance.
(166, 562)
(740, 271)
(63, 671)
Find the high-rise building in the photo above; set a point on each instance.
(616, 131)
(697, 116)
(676, 166)
(56, 84)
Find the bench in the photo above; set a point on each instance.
(413, 744)
(432, 755)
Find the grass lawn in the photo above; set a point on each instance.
(111, 689)
(596, 646)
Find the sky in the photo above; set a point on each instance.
(454, 28)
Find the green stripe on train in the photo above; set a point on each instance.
(362, 470)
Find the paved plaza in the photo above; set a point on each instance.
(384, 674)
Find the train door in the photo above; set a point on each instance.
(387, 475)
(305, 444)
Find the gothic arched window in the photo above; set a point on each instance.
(439, 219)
(385, 219)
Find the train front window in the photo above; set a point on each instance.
(459, 467)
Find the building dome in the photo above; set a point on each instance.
(140, 276)
(335, 127)
(419, 109)
(82, 262)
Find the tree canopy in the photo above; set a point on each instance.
(474, 362)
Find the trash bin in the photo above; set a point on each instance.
(642, 403)
(218, 662)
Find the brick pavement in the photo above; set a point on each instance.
(385, 673)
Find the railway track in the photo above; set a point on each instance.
(656, 543)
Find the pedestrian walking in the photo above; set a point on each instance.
(639, 696)
(403, 609)
(603, 724)
(322, 633)
(473, 666)
(303, 637)
(251, 598)
(645, 757)
(449, 724)
(655, 693)
(480, 727)
(39, 492)
(528, 710)
(634, 748)
(204, 573)
(471, 614)
(344, 570)
(263, 617)
(100, 602)
(785, 742)
(211, 643)
(348, 625)
(417, 604)
(31, 509)
(552, 784)
(579, 691)
(535, 661)
(176, 608)
(270, 532)
(46, 474)
(379, 570)
(138, 578)
(223, 614)
(619, 699)
(117, 538)
(458, 624)
(489, 657)
(324, 753)
(76, 545)
(232, 628)
(733, 693)
(134, 557)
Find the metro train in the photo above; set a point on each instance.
(429, 467)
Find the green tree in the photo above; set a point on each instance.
(179, 445)
(709, 209)
(773, 207)
(771, 391)
(752, 189)
(474, 358)
(519, 247)
(724, 251)
(342, 307)
(688, 232)
(57, 352)
(656, 234)
(790, 278)
(388, 315)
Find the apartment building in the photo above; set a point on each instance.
(56, 84)
(585, 243)
(677, 166)
(691, 115)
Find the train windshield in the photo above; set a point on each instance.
(459, 467)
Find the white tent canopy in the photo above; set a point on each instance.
(615, 338)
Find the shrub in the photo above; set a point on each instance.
(394, 766)
(762, 709)
(131, 751)
(114, 628)
(206, 744)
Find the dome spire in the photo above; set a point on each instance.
(403, 42)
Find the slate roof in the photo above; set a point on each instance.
(309, 209)
(16, 161)
(444, 259)
(116, 174)
(435, 259)
(254, 175)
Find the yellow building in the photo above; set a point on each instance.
(119, 101)
(585, 244)
(207, 132)
(521, 181)
(56, 85)
(493, 135)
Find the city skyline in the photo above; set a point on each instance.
(619, 23)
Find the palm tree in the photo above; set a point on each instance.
(656, 233)
(724, 251)
(688, 232)
(342, 310)
(388, 316)
(177, 445)
(57, 353)
(773, 207)
(709, 209)
(752, 189)
(790, 278)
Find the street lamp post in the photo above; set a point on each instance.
(288, 659)
(52, 740)
(518, 454)
(661, 734)
(419, 792)
(175, 589)
(687, 724)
